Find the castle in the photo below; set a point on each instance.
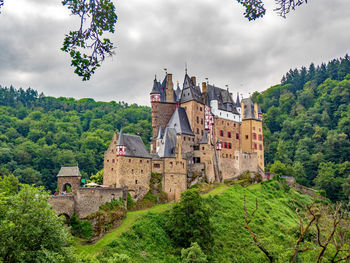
(199, 134)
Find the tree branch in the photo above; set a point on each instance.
(252, 234)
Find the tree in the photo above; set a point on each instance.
(188, 221)
(193, 254)
(30, 231)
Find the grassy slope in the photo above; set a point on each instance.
(94, 249)
(275, 222)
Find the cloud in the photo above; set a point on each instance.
(213, 37)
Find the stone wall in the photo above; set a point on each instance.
(206, 155)
(248, 162)
(175, 177)
(73, 181)
(64, 205)
(88, 200)
(85, 200)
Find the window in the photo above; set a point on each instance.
(229, 145)
(113, 161)
(259, 129)
(201, 121)
(234, 125)
(147, 161)
(196, 147)
(246, 137)
(132, 171)
(112, 151)
(129, 160)
(200, 108)
(226, 146)
(112, 169)
(193, 139)
(202, 148)
(221, 133)
(156, 165)
(141, 171)
(171, 164)
(253, 128)
(197, 119)
(197, 131)
(229, 134)
(140, 161)
(260, 137)
(255, 146)
(135, 181)
(107, 161)
(237, 136)
(184, 138)
(260, 147)
(254, 136)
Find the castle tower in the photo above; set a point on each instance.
(121, 149)
(238, 104)
(251, 130)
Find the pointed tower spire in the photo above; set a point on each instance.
(155, 93)
(238, 103)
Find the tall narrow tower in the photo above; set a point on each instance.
(155, 100)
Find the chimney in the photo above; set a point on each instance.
(194, 80)
(204, 87)
(169, 78)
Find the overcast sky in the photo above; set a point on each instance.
(212, 36)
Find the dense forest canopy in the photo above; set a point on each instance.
(307, 126)
(39, 134)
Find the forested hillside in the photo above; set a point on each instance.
(307, 126)
(38, 134)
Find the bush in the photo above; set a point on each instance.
(193, 254)
(81, 228)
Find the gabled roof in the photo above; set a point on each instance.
(69, 171)
(168, 143)
(179, 122)
(248, 109)
(190, 91)
(134, 146)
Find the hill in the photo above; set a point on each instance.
(275, 222)
(307, 126)
(38, 134)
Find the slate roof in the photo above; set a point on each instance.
(168, 144)
(134, 146)
(190, 91)
(156, 87)
(160, 133)
(248, 109)
(179, 122)
(224, 98)
(69, 171)
(238, 103)
(204, 139)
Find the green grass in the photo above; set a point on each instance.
(92, 250)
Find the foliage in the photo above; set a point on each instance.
(81, 228)
(100, 17)
(193, 254)
(30, 231)
(189, 222)
(276, 223)
(39, 134)
(254, 9)
(306, 126)
(97, 178)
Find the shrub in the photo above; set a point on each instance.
(193, 254)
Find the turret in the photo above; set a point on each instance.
(238, 104)
(121, 148)
(155, 93)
